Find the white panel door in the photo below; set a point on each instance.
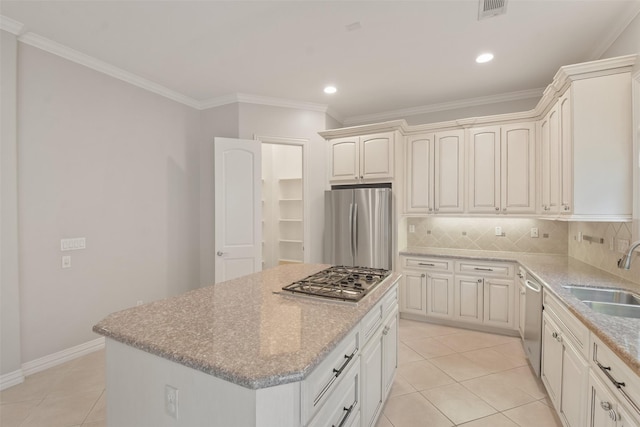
(345, 159)
(449, 171)
(420, 173)
(414, 294)
(469, 299)
(498, 302)
(518, 168)
(439, 295)
(484, 169)
(376, 156)
(238, 209)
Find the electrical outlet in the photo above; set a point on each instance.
(66, 261)
(579, 239)
(139, 302)
(623, 246)
(498, 231)
(73, 244)
(171, 401)
(534, 232)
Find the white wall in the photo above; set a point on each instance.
(105, 160)
(628, 42)
(300, 124)
(10, 360)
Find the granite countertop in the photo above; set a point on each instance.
(621, 334)
(241, 330)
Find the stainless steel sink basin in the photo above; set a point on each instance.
(614, 302)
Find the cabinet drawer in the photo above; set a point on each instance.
(617, 375)
(342, 407)
(567, 322)
(372, 320)
(476, 268)
(430, 264)
(326, 377)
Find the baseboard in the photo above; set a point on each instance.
(46, 362)
(11, 379)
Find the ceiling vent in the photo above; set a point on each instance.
(491, 8)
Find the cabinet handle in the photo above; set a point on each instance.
(504, 209)
(557, 336)
(607, 371)
(520, 275)
(606, 406)
(346, 416)
(423, 275)
(385, 331)
(523, 293)
(220, 253)
(427, 264)
(497, 209)
(336, 374)
(482, 269)
(430, 209)
(361, 176)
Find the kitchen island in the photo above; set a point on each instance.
(242, 353)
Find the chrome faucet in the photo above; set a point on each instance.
(625, 261)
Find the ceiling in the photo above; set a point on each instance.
(401, 55)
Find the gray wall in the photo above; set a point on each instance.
(10, 360)
(628, 42)
(105, 160)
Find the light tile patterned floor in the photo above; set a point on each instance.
(455, 377)
(446, 377)
(68, 395)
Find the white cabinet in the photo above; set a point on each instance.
(614, 389)
(588, 130)
(361, 158)
(498, 303)
(564, 369)
(468, 299)
(435, 172)
(427, 287)
(379, 360)
(502, 169)
(440, 295)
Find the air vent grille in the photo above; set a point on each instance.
(490, 8)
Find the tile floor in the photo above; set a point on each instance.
(455, 377)
(446, 376)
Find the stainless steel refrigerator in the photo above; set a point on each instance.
(358, 227)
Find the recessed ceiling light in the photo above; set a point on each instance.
(485, 57)
(330, 89)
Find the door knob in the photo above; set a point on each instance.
(220, 253)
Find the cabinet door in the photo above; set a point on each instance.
(420, 173)
(518, 176)
(550, 158)
(449, 172)
(345, 159)
(469, 299)
(498, 302)
(439, 295)
(389, 353)
(371, 368)
(566, 153)
(625, 419)
(376, 156)
(551, 369)
(600, 404)
(484, 169)
(414, 294)
(575, 376)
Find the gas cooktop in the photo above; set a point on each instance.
(339, 282)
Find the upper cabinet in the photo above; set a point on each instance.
(502, 169)
(586, 146)
(359, 159)
(435, 172)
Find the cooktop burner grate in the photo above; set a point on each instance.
(339, 282)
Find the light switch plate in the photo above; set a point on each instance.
(66, 261)
(534, 232)
(498, 231)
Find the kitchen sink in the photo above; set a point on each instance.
(614, 302)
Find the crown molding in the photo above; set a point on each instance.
(261, 100)
(10, 25)
(400, 125)
(607, 41)
(73, 55)
(471, 102)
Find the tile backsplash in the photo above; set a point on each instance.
(603, 255)
(479, 234)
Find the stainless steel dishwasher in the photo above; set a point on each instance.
(533, 323)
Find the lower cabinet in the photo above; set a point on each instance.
(564, 372)
(440, 295)
(469, 299)
(379, 360)
(414, 292)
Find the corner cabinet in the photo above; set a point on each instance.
(588, 131)
(502, 169)
(435, 172)
(362, 158)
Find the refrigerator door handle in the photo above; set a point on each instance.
(354, 231)
(351, 230)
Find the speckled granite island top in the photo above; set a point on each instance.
(241, 330)
(621, 334)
